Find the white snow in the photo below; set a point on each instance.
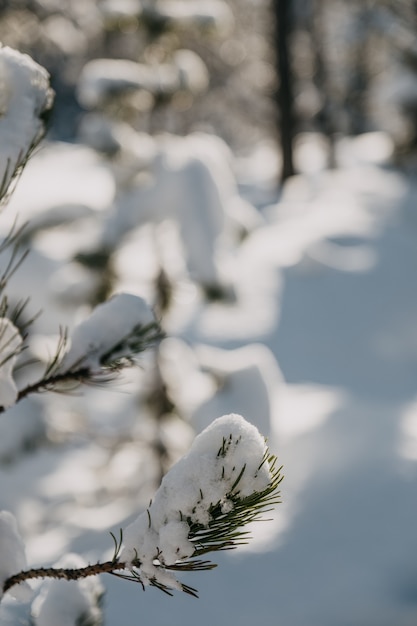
(101, 77)
(24, 95)
(193, 74)
(326, 286)
(12, 555)
(108, 326)
(205, 476)
(71, 181)
(10, 344)
(190, 180)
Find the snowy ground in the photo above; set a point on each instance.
(327, 286)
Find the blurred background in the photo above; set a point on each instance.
(249, 167)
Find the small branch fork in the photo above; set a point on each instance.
(109, 567)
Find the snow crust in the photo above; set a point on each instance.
(205, 476)
(68, 603)
(10, 343)
(108, 326)
(24, 95)
(12, 555)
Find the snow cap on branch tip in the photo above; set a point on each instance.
(12, 555)
(226, 464)
(116, 329)
(10, 346)
(25, 95)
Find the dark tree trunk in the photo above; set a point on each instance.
(282, 10)
(325, 117)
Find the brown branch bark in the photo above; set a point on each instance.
(61, 573)
(48, 384)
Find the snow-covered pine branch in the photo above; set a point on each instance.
(114, 333)
(227, 480)
(107, 341)
(25, 98)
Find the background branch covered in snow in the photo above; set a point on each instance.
(106, 342)
(25, 98)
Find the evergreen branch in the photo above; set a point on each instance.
(62, 573)
(137, 340)
(112, 362)
(71, 380)
(222, 533)
(109, 567)
(222, 529)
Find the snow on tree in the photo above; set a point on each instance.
(200, 502)
(115, 329)
(25, 97)
(104, 78)
(227, 480)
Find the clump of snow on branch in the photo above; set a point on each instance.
(101, 79)
(10, 345)
(12, 555)
(25, 95)
(114, 330)
(69, 603)
(226, 462)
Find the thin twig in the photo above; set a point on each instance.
(64, 574)
(50, 383)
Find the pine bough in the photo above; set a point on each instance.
(205, 502)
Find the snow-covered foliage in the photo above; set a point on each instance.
(226, 464)
(10, 345)
(115, 330)
(102, 79)
(25, 96)
(12, 554)
(69, 603)
(321, 283)
(190, 180)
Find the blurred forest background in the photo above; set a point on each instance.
(351, 65)
(187, 160)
